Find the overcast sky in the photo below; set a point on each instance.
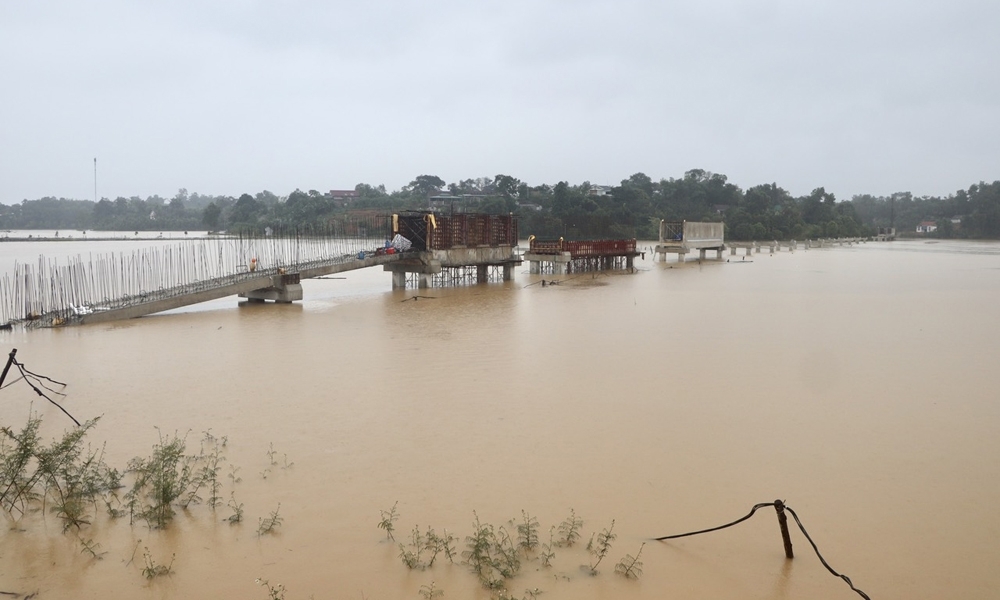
(228, 97)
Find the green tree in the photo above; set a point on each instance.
(246, 211)
(210, 216)
(507, 186)
(425, 185)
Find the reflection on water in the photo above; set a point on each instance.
(857, 384)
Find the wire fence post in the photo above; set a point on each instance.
(779, 507)
(10, 360)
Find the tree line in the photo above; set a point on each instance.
(633, 208)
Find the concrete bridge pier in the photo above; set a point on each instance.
(560, 263)
(425, 273)
(428, 263)
(285, 290)
(732, 251)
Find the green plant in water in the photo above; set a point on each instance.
(440, 543)
(569, 529)
(601, 547)
(431, 543)
(153, 570)
(91, 547)
(237, 508)
(527, 532)
(435, 544)
(503, 594)
(508, 561)
(274, 592)
(547, 554)
(491, 554)
(388, 521)
(429, 592)
(270, 523)
(411, 556)
(64, 473)
(208, 474)
(630, 567)
(159, 481)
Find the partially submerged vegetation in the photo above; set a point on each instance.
(71, 480)
(496, 557)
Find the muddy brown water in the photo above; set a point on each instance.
(857, 384)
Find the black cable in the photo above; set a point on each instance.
(31, 376)
(10, 383)
(21, 366)
(752, 511)
(821, 559)
(755, 508)
(42, 394)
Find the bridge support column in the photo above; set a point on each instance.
(701, 254)
(508, 272)
(534, 267)
(425, 281)
(398, 280)
(285, 289)
(482, 274)
(630, 263)
(718, 253)
(732, 251)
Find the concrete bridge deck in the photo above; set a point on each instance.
(242, 284)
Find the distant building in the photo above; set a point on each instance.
(599, 190)
(344, 195)
(926, 227)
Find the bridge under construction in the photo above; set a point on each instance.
(421, 249)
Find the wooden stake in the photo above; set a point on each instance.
(779, 507)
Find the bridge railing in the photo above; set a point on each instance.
(583, 248)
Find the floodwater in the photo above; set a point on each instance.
(858, 384)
